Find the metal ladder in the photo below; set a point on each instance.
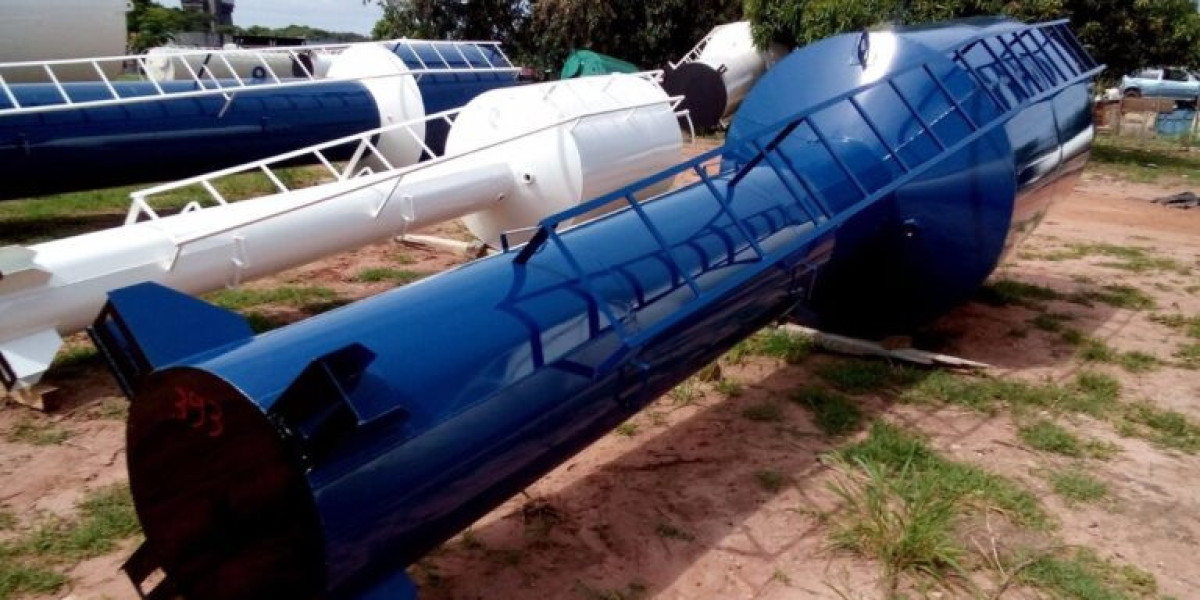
(1008, 50)
(364, 177)
(204, 83)
(695, 52)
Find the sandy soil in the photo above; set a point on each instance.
(594, 528)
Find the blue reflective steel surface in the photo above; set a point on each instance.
(452, 90)
(413, 413)
(174, 138)
(44, 153)
(931, 245)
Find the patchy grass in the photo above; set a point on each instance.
(673, 532)
(32, 220)
(896, 451)
(388, 274)
(1138, 362)
(1141, 160)
(856, 376)
(1116, 296)
(686, 393)
(28, 563)
(1189, 326)
(288, 295)
(792, 348)
(1049, 436)
(770, 479)
(262, 322)
(764, 412)
(1136, 259)
(902, 503)
(627, 429)
(729, 388)
(1166, 428)
(1077, 487)
(1082, 575)
(74, 358)
(1051, 322)
(1003, 292)
(833, 413)
(36, 432)
(1189, 356)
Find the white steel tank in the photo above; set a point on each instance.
(562, 166)
(59, 29)
(716, 74)
(167, 63)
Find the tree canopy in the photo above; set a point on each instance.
(541, 33)
(1124, 34)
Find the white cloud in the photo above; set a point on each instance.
(330, 15)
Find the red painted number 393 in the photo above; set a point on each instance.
(202, 414)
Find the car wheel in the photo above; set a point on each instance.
(1133, 93)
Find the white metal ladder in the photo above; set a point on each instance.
(204, 83)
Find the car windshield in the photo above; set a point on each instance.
(1147, 74)
(1175, 75)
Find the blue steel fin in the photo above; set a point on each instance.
(317, 408)
(148, 326)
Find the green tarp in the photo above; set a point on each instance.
(582, 63)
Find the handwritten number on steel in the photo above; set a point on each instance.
(202, 414)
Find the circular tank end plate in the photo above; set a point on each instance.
(224, 504)
(703, 92)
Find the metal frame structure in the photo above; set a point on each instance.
(765, 143)
(207, 84)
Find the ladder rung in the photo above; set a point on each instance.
(1050, 77)
(980, 81)
(925, 126)
(953, 101)
(662, 243)
(812, 124)
(878, 135)
(1008, 49)
(1024, 93)
(728, 210)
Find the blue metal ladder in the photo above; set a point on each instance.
(1009, 52)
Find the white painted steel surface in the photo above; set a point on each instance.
(56, 29)
(729, 49)
(580, 138)
(170, 63)
(564, 166)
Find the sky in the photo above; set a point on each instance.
(330, 15)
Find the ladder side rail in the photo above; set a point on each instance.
(980, 80)
(364, 181)
(862, 113)
(1041, 48)
(688, 308)
(728, 210)
(1029, 76)
(1050, 77)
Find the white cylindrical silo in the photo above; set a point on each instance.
(32, 30)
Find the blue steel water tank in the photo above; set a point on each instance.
(929, 246)
(320, 459)
(86, 148)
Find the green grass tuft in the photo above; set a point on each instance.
(296, 296)
(793, 348)
(388, 274)
(673, 532)
(1189, 356)
(1189, 326)
(856, 376)
(1167, 428)
(764, 412)
(891, 448)
(627, 429)
(833, 413)
(770, 479)
(1075, 486)
(1117, 296)
(36, 432)
(1083, 575)
(1048, 436)
(1003, 292)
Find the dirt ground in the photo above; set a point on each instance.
(670, 507)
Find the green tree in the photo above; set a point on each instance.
(151, 24)
(1124, 34)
